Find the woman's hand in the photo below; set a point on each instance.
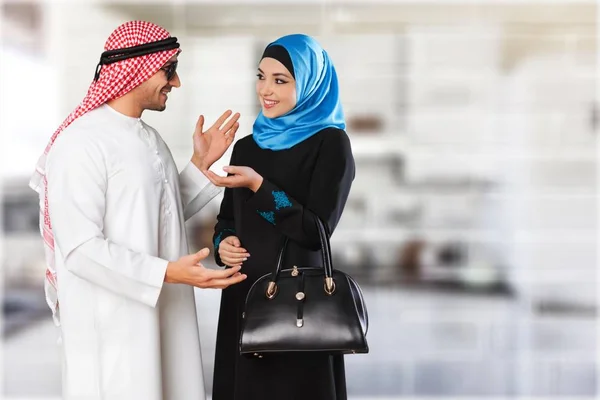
(231, 252)
(240, 177)
(209, 146)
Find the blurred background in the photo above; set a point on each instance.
(472, 222)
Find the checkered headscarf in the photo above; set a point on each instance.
(115, 80)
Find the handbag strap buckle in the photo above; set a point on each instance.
(271, 290)
(329, 286)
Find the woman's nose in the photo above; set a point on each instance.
(266, 89)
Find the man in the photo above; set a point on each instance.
(113, 210)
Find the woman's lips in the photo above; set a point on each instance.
(269, 103)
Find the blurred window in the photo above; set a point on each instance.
(20, 215)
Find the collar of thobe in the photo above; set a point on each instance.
(121, 119)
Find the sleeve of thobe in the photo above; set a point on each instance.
(196, 190)
(77, 181)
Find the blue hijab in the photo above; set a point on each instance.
(317, 97)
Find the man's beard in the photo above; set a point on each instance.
(156, 106)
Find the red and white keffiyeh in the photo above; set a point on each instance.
(115, 80)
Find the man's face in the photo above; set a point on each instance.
(154, 92)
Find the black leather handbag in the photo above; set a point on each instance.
(305, 309)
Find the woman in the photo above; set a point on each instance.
(297, 165)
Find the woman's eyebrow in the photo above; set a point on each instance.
(275, 74)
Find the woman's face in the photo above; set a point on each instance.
(276, 88)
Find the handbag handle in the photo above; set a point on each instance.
(329, 284)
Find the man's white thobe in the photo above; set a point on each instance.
(117, 205)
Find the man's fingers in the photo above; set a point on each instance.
(201, 255)
(223, 181)
(223, 283)
(231, 134)
(221, 119)
(199, 125)
(232, 121)
(210, 175)
(221, 274)
(214, 178)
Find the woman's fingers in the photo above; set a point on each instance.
(231, 262)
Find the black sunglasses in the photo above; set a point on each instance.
(170, 70)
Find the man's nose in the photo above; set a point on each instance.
(175, 81)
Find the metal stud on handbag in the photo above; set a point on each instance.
(305, 309)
